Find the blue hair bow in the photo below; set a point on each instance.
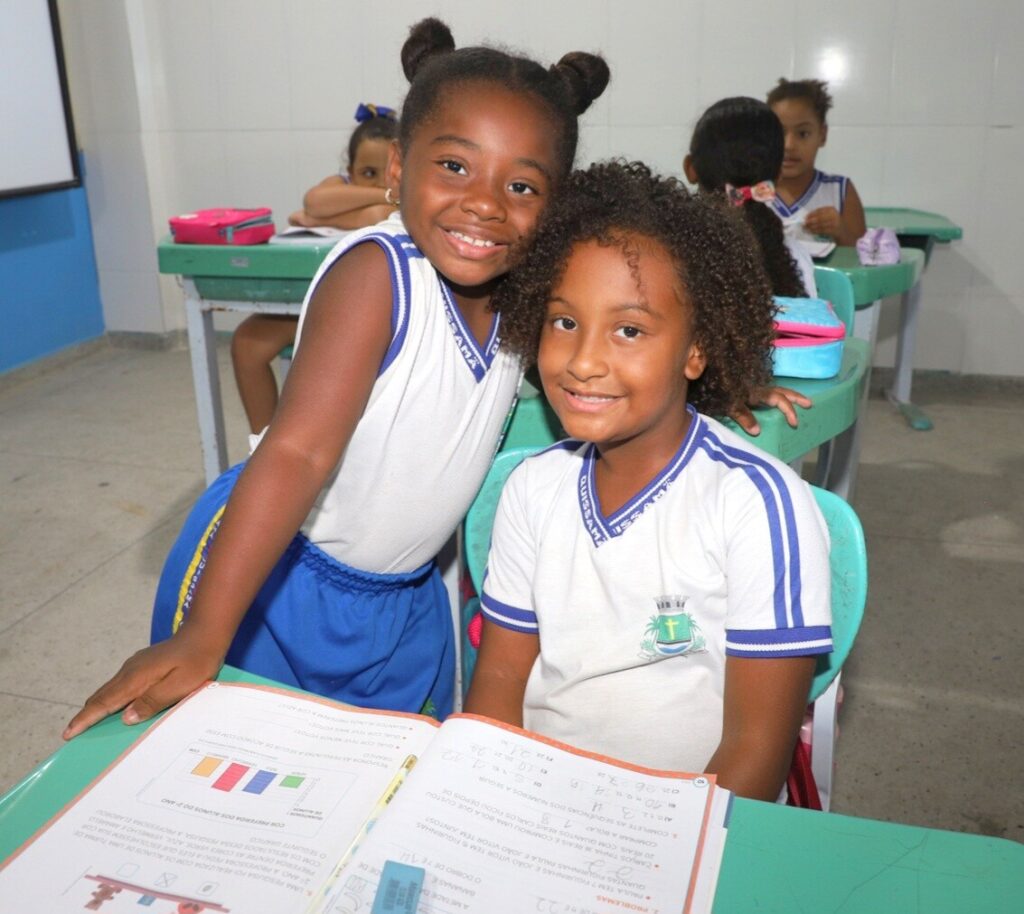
(368, 111)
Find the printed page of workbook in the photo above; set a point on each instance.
(506, 823)
(241, 799)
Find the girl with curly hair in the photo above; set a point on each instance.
(657, 588)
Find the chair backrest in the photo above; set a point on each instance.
(533, 423)
(847, 558)
(836, 287)
(480, 517)
(849, 564)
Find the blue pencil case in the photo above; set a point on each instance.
(808, 339)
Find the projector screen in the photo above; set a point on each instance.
(37, 137)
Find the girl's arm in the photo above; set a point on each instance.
(333, 198)
(765, 700)
(346, 332)
(502, 668)
(846, 227)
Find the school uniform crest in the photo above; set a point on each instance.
(671, 631)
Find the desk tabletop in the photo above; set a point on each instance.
(874, 282)
(912, 222)
(776, 859)
(836, 401)
(264, 261)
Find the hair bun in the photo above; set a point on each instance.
(427, 38)
(584, 75)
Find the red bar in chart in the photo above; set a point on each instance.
(231, 776)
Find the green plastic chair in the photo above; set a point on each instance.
(533, 423)
(847, 561)
(835, 286)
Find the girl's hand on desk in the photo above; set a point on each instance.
(149, 681)
(784, 399)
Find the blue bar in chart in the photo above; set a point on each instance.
(259, 782)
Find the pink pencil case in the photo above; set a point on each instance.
(809, 339)
(223, 226)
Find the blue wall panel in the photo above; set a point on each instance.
(49, 290)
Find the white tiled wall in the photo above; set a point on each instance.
(248, 102)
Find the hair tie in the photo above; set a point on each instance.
(367, 111)
(762, 192)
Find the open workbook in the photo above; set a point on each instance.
(254, 800)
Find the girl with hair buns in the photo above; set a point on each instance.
(313, 563)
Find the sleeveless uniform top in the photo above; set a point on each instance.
(824, 190)
(430, 429)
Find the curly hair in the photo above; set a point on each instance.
(813, 91)
(433, 67)
(739, 141)
(714, 252)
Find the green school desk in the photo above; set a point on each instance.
(259, 278)
(921, 230)
(869, 284)
(917, 230)
(777, 860)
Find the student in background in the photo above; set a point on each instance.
(812, 202)
(349, 200)
(354, 198)
(737, 149)
(657, 589)
(314, 562)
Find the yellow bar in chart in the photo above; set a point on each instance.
(207, 766)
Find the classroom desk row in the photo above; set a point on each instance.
(777, 859)
(921, 231)
(273, 279)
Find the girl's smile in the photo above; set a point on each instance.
(474, 180)
(617, 350)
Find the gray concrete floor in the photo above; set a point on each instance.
(99, 461)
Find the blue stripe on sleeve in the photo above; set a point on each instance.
(763, 486)
(512, 617)
(789, 642)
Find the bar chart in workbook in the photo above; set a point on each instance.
(248, 790)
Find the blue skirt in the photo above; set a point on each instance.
(372, 640)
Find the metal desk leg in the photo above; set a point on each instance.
(202, 344)
(845, 450)
(899, 393)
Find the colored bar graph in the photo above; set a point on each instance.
(207, 766)
(231, 776)
(292, 780)
(259, 782)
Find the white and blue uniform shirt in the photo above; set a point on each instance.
(824, 190)
(430, 429)
(724, 553)
(802, 258)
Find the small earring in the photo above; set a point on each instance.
(388, 197)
